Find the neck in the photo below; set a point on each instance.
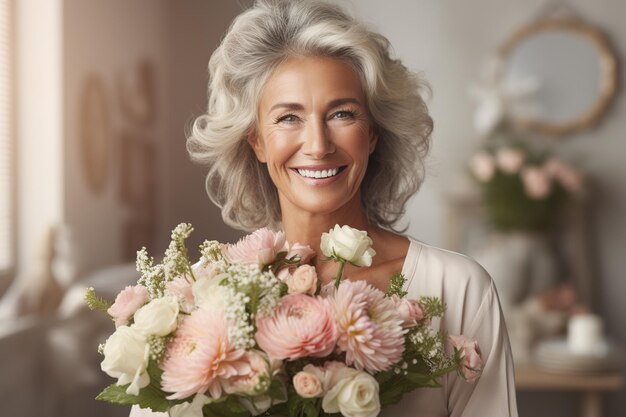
(307, 228)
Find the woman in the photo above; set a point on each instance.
(311, 123)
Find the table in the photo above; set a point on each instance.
(591, 386)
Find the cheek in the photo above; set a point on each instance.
(280, 146)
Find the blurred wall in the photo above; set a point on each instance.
(448, 41)
(105, 39)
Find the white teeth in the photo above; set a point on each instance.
(318, 174)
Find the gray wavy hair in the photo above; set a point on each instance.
(258, 41)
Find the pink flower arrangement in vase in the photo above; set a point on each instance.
(521, 189)
(249, 330)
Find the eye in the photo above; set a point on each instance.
(289, 118)
(343, 114)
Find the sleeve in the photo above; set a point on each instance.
(135, 411)
(493, 394)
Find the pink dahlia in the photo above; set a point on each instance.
(370, 329)
(260, 247)
(200, 357)
(300, 326)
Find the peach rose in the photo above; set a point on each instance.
(410, 311)
(537, 182)
(303, 252)
(126, 303)
(510, 160)
(302, 281)
(472, 362)
(307, 385)
(483, 166)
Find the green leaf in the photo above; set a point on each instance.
(230, 407)
(96, 303)
(396, 286)
(147, 398)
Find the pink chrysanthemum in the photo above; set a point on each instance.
(260, 247)
(300, 326)
(200, 357)
(370, 330)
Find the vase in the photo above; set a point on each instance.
(521, 264)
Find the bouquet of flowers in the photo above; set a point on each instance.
(249, 330)
(523, 190)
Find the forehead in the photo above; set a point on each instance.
(311, 80)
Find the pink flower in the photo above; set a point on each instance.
(303, 252)
(249, 383)
(472, 362)
(300, 326)
(307, 385)
(510, 160)
(180, 287)
(302, 281)
(126, 303)
(331, 373)
(200, 358)
(410, 311)
(260, 247)
(567, 176)
(483, 166)
(537, 182)
(370, 330)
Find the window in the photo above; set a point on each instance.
(7, 180)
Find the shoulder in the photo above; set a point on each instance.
(433, 263)
(458, 280)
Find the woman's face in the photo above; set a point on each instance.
(314, 133)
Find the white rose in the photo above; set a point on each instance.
(355, 396)
(192, 409)
(302, 281)
(349, 244)
(126, 355)
(158, 317)
(209, 294)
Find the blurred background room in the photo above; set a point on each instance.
(526, 174)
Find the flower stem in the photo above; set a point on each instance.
(342, 264)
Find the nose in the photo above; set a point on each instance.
(317, 141)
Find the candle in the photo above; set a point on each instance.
(585, 334)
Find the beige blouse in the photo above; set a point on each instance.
(473, 310)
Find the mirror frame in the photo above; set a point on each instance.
(608, 74)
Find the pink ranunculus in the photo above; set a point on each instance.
(260, 247)
(303, 252)
(180, 287)
(303, 280)
(200, 357)
(483, 166)
(307, 385)
(537, 182)
(127, 302)
(300, 326)
(472, 362)
(410, 311)
(567, 176)
(370, 329)
(249, 384)
(510, 160)
(201, 271)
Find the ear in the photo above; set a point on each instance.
(373, 139)
(257, 145)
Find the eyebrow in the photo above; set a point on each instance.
(297, 106)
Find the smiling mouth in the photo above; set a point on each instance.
(319, 173)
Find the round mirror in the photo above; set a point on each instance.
(572, 68)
